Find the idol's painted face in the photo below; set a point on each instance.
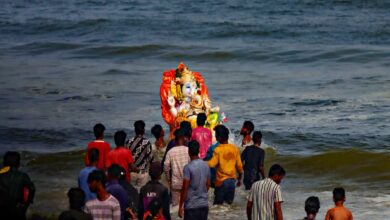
(188, 89)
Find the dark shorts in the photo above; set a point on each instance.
(225, 192)
(196, 214)
(250, 176)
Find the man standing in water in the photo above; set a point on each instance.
(265, 198)
(227, 161)
(174, 164)
(253, 159)
(141, 148)
(105, 206)
(339, 212)
(99, 144)
(202, 135)
(246, 132)
(196, 183)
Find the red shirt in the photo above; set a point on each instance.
(103, 148)
(121, 156)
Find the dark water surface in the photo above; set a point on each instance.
(312, 75)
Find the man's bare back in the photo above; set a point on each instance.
(339, 213)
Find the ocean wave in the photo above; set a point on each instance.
(40, 140)
(74, 98)
(352, 164)
(37, 48)
(317, 102)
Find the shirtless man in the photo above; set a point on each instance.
(246, 132)
(339, 212)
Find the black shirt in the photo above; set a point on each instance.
(253, 158)
(153, 190)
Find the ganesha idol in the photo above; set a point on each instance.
(183, 96)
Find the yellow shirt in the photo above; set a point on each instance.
(227, 161)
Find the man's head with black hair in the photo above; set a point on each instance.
(222, 134)
(155, 170)
(98, 130)
(256, 137)
(139, 127)
(186, 127)
(180, 137)
(114, 172)
(338, 194)
(76, 198)
(193, 149)
(93, 156)
(96, 180)
(120, 138)
(11, 159)
(247, 128)
(201, 119)
(276, 173)
(312, 206)
(157, 131)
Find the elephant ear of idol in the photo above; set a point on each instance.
(183, 95)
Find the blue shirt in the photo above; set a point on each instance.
(115, 189)
(83, 182)
(197, 172)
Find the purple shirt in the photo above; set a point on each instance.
(204, 137)
(120, 194)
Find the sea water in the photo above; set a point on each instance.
(312, 75)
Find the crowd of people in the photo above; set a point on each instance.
(148, 181)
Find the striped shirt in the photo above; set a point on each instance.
(108, 209)
(141, 148)
(174, 164)
(264, 194)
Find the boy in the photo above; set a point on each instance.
(153, 191)
(99, 144)
(339, 212)
(76, 203)
(253, 160)
(121, 155)
(312, 205)
(105, 206)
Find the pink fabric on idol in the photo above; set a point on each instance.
(204, 137)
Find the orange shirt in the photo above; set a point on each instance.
(103, 148)
(227, 161)
(121, 156)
